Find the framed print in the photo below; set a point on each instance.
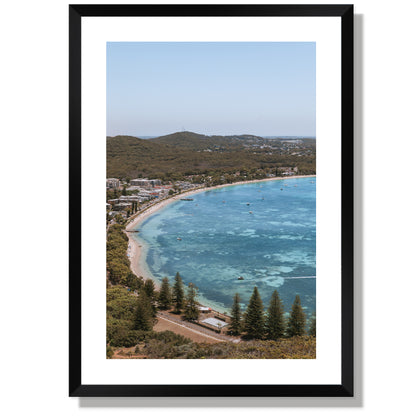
(220, 140)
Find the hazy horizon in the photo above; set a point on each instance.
(150, 136)
(219, 88)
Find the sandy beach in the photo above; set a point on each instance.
(136, 252)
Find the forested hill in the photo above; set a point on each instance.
(194, 141)
(185, 153)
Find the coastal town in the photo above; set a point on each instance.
(127, 197)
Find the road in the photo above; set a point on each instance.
(191, 330)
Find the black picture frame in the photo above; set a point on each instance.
(76, 388)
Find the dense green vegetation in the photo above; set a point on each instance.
(182, 154)
(121, 312)
(118, 265)
(257, 324)
(169, 345)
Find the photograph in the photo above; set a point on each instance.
(211, 200)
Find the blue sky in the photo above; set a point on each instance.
(262, 88)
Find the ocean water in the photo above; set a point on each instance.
(264, 232)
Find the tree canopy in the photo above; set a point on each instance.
(191, 306)
(165, 294)
(275, 324)
(254, 317)
(178, 293)
(185, 153)
(297, 319)
(143, 319)
(236, 316)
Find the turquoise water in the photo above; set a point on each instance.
(273, 247)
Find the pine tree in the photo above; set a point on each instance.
(312, 325)
(254, 317)
(297, 319)
(178, 293)
(165, 295)
(143, 319)
(191, 306)
(275, 324)
(235, 325)
(149, 289)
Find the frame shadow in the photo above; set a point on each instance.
(293, 402)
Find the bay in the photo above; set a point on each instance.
(264, 232)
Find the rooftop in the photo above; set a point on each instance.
(215, 322)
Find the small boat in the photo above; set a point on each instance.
(240, 278)
(281, 189)
(179, 239)
(248, 203)
(187, 199)
(250, 212)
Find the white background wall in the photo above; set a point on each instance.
(34, 261)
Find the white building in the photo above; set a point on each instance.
(215, 323)
(145, 182)
(113, 183)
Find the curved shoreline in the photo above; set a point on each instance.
(137, 252)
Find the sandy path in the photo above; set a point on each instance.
(165, 324)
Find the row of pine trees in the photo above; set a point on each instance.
(256, 324)
(149, 301)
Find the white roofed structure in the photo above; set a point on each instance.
(216, 323)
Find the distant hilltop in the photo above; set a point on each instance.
(235, 136)
(188, 153)
(188, 139)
